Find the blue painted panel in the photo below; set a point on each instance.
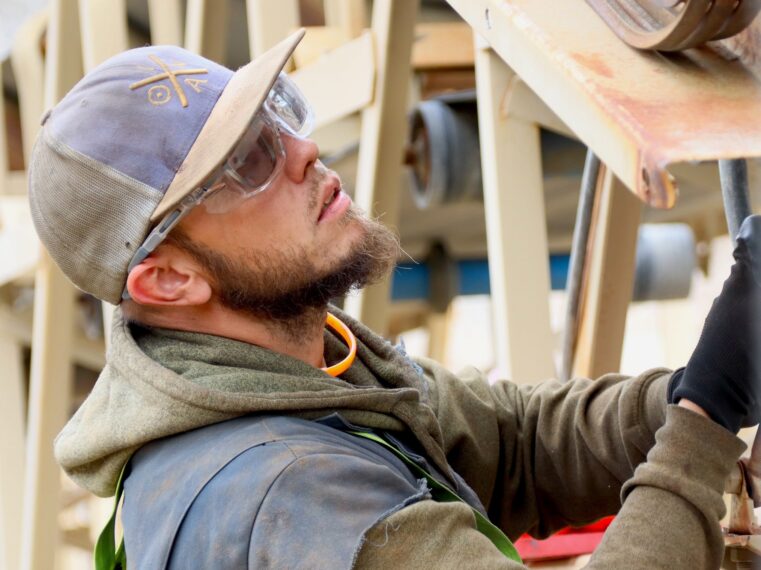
(413, 280)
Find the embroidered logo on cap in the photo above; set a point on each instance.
(161, 93)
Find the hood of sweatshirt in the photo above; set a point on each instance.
(161, 382)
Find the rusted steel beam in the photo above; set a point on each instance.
(671, 25)
(640, 112)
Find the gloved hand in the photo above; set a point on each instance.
(723, 376)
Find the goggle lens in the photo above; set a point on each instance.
(286, 102)
(258, 157)
(255, 157)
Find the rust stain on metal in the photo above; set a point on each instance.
(594, 62)
(742, 518)
(683, 107)
(713, 111)
(641, 112)
(668, 131)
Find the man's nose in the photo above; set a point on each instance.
(300, 155)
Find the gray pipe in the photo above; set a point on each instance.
(578, 257)
(734, 189)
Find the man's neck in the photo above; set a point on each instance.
(300, 337)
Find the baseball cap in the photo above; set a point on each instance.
(133, 138)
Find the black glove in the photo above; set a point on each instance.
(723, 376)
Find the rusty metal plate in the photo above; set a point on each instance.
(640, 112)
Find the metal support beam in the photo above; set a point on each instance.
(352, 66)
(5, 172)
(51, 373)
(382, 139)
(205, 25)
(12, 404)
(608, 278)
(165, 18)
(349, 15)
(29, 69)
(515, 226)
(269, 22)
(104, 30)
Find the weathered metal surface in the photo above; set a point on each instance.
(750, 542)
(671, 25)
(754, 463)
(742, 518)
(640, 112)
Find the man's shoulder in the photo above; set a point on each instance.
(259, 491)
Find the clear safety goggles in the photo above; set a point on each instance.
(252, 166)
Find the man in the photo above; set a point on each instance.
(252, 428)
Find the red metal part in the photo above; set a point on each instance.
(566, 543)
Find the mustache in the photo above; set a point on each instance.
(317, 176)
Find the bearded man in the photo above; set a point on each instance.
(249, 424)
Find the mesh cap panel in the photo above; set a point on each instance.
(91, 218)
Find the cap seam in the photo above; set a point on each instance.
(62, 147)
(95, 164)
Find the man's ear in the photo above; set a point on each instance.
(165, 279)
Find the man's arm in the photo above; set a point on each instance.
(548, 456)
(558, 453)
(564, 450)
(673, 503)
(668, 519)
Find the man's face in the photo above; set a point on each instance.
(292, 247)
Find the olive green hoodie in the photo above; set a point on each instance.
(539, 458)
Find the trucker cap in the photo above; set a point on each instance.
(129, 141)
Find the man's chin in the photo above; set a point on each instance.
(369, 259)
(287, 284)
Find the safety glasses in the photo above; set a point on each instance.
(259, 156)
(252, 166)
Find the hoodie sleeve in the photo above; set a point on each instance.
(557, 454)
(681, 481)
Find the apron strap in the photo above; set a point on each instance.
(107, 556)
(444, 494)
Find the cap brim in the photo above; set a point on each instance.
(240, 100)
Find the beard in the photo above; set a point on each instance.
(286, 287)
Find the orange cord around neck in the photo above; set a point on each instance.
(348, 336)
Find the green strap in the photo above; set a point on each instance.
(106, 555)
(444, 494)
